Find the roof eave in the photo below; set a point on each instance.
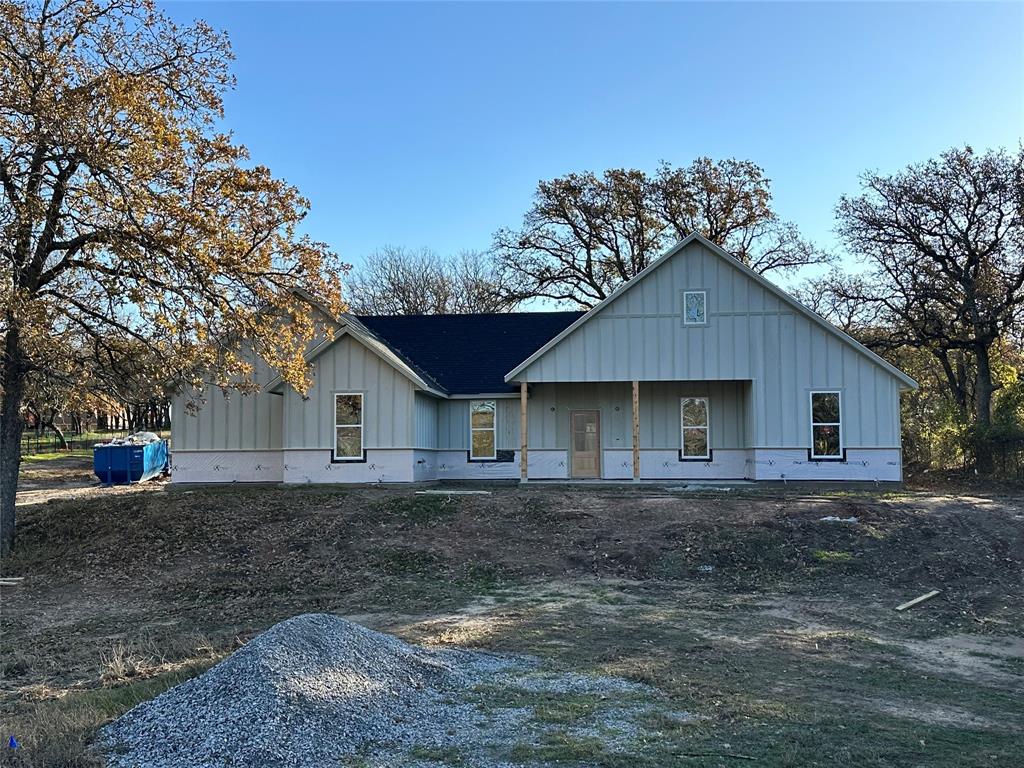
(352, 327)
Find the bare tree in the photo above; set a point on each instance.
(587, 234)
(397, 281)
(827, 296)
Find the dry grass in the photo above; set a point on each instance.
(775, 630)
(56, 727)
(123, 664)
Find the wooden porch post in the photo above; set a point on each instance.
(522, 431)
(636, 430)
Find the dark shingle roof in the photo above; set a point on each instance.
(468, 354)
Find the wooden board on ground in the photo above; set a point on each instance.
(919, 599)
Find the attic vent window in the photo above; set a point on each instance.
(695, 307)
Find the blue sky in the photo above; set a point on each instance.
(430, 124)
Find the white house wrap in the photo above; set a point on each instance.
(698, 368)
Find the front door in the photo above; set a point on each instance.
(585, 443)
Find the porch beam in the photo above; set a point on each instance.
(522, 431)
(636, 429)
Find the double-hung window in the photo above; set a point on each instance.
(696, 427)
(826, 425)
(481, 429)
(348, 426)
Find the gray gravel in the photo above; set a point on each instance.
(304, 693)
(318, 690)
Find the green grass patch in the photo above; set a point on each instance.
(662, 722)
(892, 680)
(1014, 665)
(443, 755)
(407, 562)
(549, 707)
(81, 453)
(480, 578)
(558, 747)
(832, 556)
(566, 710)
(425, 509)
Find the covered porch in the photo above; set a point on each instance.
(634, 430)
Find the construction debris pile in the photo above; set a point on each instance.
(138, 438)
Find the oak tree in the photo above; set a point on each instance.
(127, 216)
(587, 234)
(943, 245)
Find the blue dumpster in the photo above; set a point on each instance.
(122, 464)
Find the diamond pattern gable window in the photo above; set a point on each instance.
(695, 307)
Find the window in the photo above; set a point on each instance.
(481, 429)
(695, 307)
(826, 426)
(696, 437)
(348, 426)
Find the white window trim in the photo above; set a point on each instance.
(810, 406)
(362, 441)
(493, 429)
(683, 427)
(695, 322)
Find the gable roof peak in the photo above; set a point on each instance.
(720, 252)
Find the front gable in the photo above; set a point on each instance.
(347, 365)
(349, 328)
(753, 330)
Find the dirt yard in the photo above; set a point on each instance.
(769, 634)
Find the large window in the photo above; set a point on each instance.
(348, 426)
(696, 428)
(481, 429)
(826, 426)
(695, 308)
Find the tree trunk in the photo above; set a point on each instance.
(11, 425)
(52, 424)
(983, 390)
(954, 380)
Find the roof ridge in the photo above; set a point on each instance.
(466, 353)
(484, 314)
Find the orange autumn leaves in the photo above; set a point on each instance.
(130, 216)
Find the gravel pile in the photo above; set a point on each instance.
(308, 692)
(317, 690)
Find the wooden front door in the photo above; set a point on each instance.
(585, 443)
